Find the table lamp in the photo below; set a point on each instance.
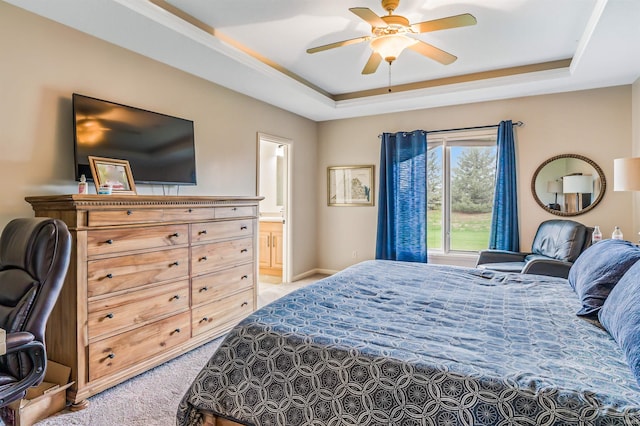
(577, 184)
(626, 174)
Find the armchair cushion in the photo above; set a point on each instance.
(598, 270)
(559, 239)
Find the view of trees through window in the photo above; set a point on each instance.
(460, 186)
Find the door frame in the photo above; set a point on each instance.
(287, 204)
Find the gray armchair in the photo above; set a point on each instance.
(557, 244)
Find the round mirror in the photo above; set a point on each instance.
(568, 185)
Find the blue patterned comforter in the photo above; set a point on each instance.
(393, 343)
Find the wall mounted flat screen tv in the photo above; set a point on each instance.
(160, 148)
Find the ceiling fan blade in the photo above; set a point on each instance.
(433, 52)
(456, 21)
(368, 15)
(372, 64)
(338, 44)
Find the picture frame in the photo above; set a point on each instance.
(113, 172)
(350, 185)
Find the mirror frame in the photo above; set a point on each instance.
(597, 168)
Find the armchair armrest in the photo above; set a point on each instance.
(499, 256)
(549, 267)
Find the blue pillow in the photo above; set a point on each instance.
(620, 316)
(598, 269)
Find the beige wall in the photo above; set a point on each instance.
(43, 63)
(635, 126)
(593, 123)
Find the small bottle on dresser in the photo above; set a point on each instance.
(83, 188)
(617, 233)
(597, 235)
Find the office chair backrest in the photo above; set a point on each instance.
(34, 256)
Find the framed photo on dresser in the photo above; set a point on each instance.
(112, 173)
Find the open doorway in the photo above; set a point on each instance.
(273, 184)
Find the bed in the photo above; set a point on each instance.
(396, 343)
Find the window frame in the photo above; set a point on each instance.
(447, 140)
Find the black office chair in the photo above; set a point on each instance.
(34, 257)
(557, 244)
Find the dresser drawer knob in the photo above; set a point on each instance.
(111, 355)
(109, 315)
(244, 277)
(176, 297)
(109, 241)
(176, 263)
(175, 235)
(129, 212)
(177, 330)
(190, 210)
(234, 209)
(243, 227)
(202, 259)
(244, 304)
(203, 289)
(205, 319)
(109, 276)
(244, 251)
(203, 232)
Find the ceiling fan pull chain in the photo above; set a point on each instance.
(389, 77)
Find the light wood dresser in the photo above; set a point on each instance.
(150, 278)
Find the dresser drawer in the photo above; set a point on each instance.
(221, 314)
(118, 240)
(241, 211)
(123, 217)
(123, 350)
(124, 272)
(208, 231)
(215, 256)
(114, 313)
(190, 214)
(208, 288)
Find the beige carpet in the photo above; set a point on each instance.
(151, 399)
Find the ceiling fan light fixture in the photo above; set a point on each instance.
(391, 46)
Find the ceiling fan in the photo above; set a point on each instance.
(389, 35)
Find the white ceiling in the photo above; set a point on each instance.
(258, 47)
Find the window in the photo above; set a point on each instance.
(460, 185)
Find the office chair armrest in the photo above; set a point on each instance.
(15, 340)
(549, 267)
(500, 256)
(37, 354)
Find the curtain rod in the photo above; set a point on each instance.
(517, 123)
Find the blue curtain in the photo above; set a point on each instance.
(505, 234)
(402, 201)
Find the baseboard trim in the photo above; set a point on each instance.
(312, 272)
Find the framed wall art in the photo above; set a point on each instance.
(350, 185)
(112, 176)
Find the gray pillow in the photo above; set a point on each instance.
(620, 315)
(598, 269)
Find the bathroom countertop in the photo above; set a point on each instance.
(271, 219)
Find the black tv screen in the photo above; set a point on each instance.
(159, 148)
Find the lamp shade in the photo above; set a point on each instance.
(626, 174)
(554, 186)
(577, 184)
